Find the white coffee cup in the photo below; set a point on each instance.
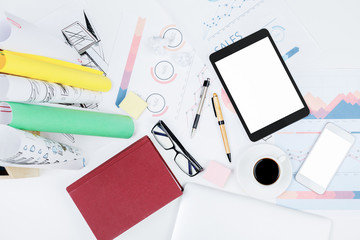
(265, 185)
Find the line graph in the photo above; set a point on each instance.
(343, 106)
(298, 145)
(196, 96)
(344, 187)
(337, 103)
(297, 141)
(225, 13)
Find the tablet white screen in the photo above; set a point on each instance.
(259, 85)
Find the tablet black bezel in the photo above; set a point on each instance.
(279, 124)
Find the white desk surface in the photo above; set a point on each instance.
(40, 208)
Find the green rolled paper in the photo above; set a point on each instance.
(63, 120)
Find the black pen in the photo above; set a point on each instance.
(201, 104)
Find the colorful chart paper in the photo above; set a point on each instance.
(337, 103)
(63, 120)
(131, 60)
(326, 195)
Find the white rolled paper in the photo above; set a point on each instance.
(23, 149)
(5, 28)
(18, 35)
(19, 89)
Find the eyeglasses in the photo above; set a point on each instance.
(168, 141)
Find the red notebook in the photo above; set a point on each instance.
(125, 190)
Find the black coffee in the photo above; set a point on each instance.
(266, 171)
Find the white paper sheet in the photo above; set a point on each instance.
(93, 38)
(170, 81)
(20, 36)
(213, 25)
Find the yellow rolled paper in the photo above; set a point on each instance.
(53, 70)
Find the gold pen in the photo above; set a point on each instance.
(219, 116)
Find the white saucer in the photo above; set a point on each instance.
(245, 176)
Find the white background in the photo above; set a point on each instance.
(40, 208)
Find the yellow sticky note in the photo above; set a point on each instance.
(133, 105)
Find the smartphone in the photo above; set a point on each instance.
(325, 158)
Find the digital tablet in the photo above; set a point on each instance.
(259, 85)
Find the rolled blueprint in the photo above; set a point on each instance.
(16, 34)
(63, 120)
(53, 70)
(24, 149)
(19, 89)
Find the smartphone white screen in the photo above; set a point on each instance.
(325, 158)
(259, 85)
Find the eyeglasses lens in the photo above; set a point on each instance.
(162, 138)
